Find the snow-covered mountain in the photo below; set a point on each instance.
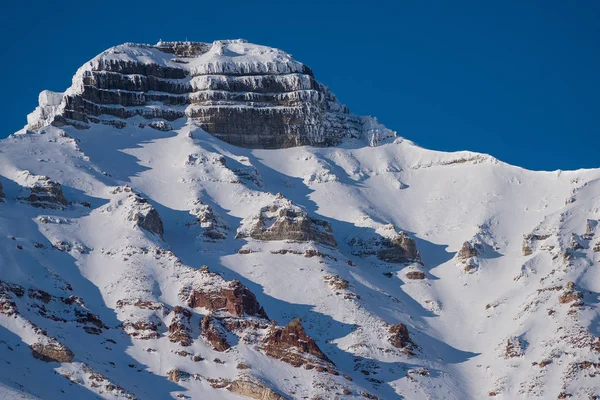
(206, 221)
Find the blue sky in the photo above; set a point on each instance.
(516, 79)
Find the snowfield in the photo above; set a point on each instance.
(107, 288)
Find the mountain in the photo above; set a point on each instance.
(193, 220)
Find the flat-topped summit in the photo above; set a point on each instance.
(245, 94)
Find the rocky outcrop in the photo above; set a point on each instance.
(245, 94)
(283, 220)
(515, 347)
(415, 275)
(214, 333)
(254, 390)
(399, 249)
(44, 192)
(529, 240)
(569, 295)
(234, 298)
(140, 211)
(400, 338)
(213, 227)
(292, 345)
(179, 327)
(2, 195)
(467, 251)
(52, 351)
(387, 245)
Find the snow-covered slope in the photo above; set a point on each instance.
(144, 257)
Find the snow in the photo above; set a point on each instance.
(460, 321)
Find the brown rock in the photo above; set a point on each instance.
(236, 299)
(52, 352)
(400, 338)
(254, 390)
(179, 328)
(45, 193)
(467, 250)
(214, 333)
(400, 249)
(415, 275)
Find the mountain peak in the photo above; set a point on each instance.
(245, 94)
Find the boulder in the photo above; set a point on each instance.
(53, 351)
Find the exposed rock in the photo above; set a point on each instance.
(291, 344)
(284, 221)
(467, 251)
(399, 249)
(527, 251)
(143, 328)
(53, 351)
(336, 282)
(400, 338)
(213, 227)
(515, 347)
(44, 193)
(529, 239)
(179, 328)
(234, 298)
(158, 125)
(264, 99)
(2, 195)
(415, 275)
(597, 247)
(569, 294)
(146, 216)
(214, 333)
(177, 375)
(254, 390)
(396, 248)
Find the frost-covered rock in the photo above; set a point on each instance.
(395, 247)
(43, 192)
(52, 351)
(140, 211)
(282, 220)
(245, 94)
(291, 344)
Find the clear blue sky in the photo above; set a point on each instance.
(517, 79)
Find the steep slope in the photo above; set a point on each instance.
(148, 254)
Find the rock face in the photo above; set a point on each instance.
(245, 94)
(52, 352)
(283, 220)
(44, 193)
(141, 212)
(400, 338)
(235, 298)
(179, 328)
(2, 195)
(292, 345)
(254, 390)
(467, 251)
(400, 249)
(214, 333)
